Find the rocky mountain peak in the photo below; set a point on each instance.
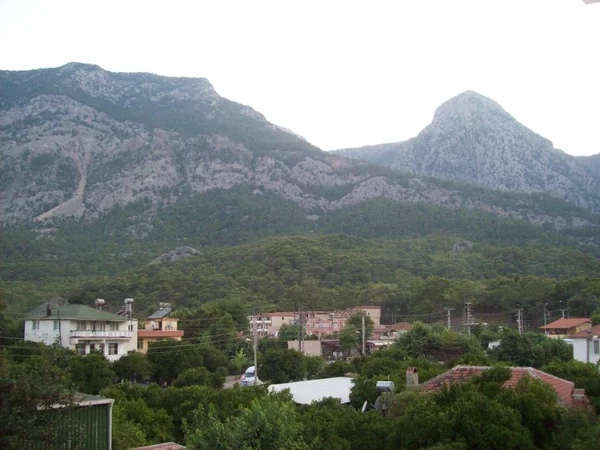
(470, 107)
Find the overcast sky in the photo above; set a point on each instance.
(340, 73)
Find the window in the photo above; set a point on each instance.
(114, 326)
(101, 348)
(92, 348)
(81, 325)
(596, 347)
(80, 349)
(55, 325)
(140, 344)
(36, 325)
(130, 327)
(113, 349)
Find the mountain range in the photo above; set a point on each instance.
(81, 142)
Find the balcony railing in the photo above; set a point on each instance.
(80, 334)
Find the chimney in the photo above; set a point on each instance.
(412, 377)
(579, 395)
(128, 307)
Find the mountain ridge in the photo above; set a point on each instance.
(79, 141)
(472, 139)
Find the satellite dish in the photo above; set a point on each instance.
(364, 407)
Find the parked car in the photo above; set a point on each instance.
(248, 379)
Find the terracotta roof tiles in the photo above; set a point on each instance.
(566, 323)
(460, 374)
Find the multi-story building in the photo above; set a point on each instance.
(84, 329)
(268, 324)
(158, 327)
(318, 323)
(322, 323)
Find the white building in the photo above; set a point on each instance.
(586, 345)
(84, 330)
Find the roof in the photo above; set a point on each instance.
(159, 333)
(160, 313)
(77, 312)
(461, 374)
(306, 392)
(584, 334)
(163, 446)
(566, 323)
(282, 314)
(400, 326)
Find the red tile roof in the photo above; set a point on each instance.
(461, 374)
(591, 332)
(400, 326)
(566, 323)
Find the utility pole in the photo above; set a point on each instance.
(301, 330)
(545, 314)
(255, 348)
(563, 312)
(448, 315)
(469, 318)
(363, 333)
(520, 319)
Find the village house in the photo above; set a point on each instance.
(586, 345)
(565, 390)
(561, 328)
(159, 326)
(84, 329)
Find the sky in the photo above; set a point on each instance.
(340, 73)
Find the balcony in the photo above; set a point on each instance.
(110, 334)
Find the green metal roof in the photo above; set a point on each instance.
(77, 312)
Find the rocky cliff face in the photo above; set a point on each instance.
(78, 141)
(473, 140)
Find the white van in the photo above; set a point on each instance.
(248, 377)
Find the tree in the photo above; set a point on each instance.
(201, 376)
(356, 321)
(289, 332)
(267, 423)
(126, 433)
(349, 338)
(515, 349)
(133, 367)
(596, 317)
(91, 373)
(169, 358)
(29, 394)
(314, 366)
(282, 366)
(238, 360)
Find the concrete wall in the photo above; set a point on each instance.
(580, 350)
(311, 348)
